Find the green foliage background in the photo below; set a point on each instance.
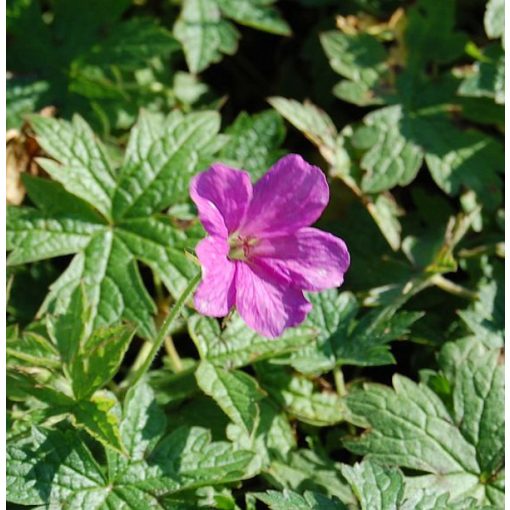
(390, 395)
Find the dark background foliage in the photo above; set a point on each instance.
(401, 104)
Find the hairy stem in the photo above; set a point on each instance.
(164, 330)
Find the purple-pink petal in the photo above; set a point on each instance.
(216, 293)
(309, 259)
(291, 195)
(222, 196)
(266, 303)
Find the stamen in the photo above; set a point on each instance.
(240, 247)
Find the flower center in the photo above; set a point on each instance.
(240, 247)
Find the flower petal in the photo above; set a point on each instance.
(291, 195)
(309, 259)
(215, 295)
(265, 303)
(222, 196)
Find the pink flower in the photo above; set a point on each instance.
(261, 254)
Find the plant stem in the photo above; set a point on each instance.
(452, 288)
(173, 354)
(339, 381)
(164, 330)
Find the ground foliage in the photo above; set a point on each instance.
(390, 394)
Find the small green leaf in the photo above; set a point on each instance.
(84, 168)
(307, 470)
(31, 349)
(129, 45)
(143, 422)
(379, 487)
(430, 34)
(98, 359)
(160, 160)
(314, 123)
(273, 438)
(298, 396)
(237, 345)
(187, 458)
(376, 488)
(494, 19)
(290, 500)
(235, 392)
(391, 158)
(33, 235)
(204, 35)
(99, 416)
(70, 329)
(347, 340)
(257, 14)
(459, 159)
(360, 58)
(487, 78)
(61, 454)
(23, 97)
(254, 143)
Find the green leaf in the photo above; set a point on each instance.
(393, 143)
(53, 467)
(143, 422)
(307, 470)
(456, 157)
(114, 288)
(23, 97)
(376, 487)
(290, 500)
(430, 34)
(494, 19)
(84, 169)
(71, 328)
(298, 396)
(184, 460)
(360, 58)
(487, 78)
(129, 45)
(386, 214)
(160, 159)
(273, 437)
(314, 123)
(187, 458)
(205, 36)
(345, 340)
(101, 71)
(237, 345)
(391, 158)
(31, 349)
(52, 198)
(379, 487)
(98, 359)
(410, 426)
(235, 392)
(478, 393)
(254, 143)
(157, 170)
(257, 14)
(33, 235)
(99, 416)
